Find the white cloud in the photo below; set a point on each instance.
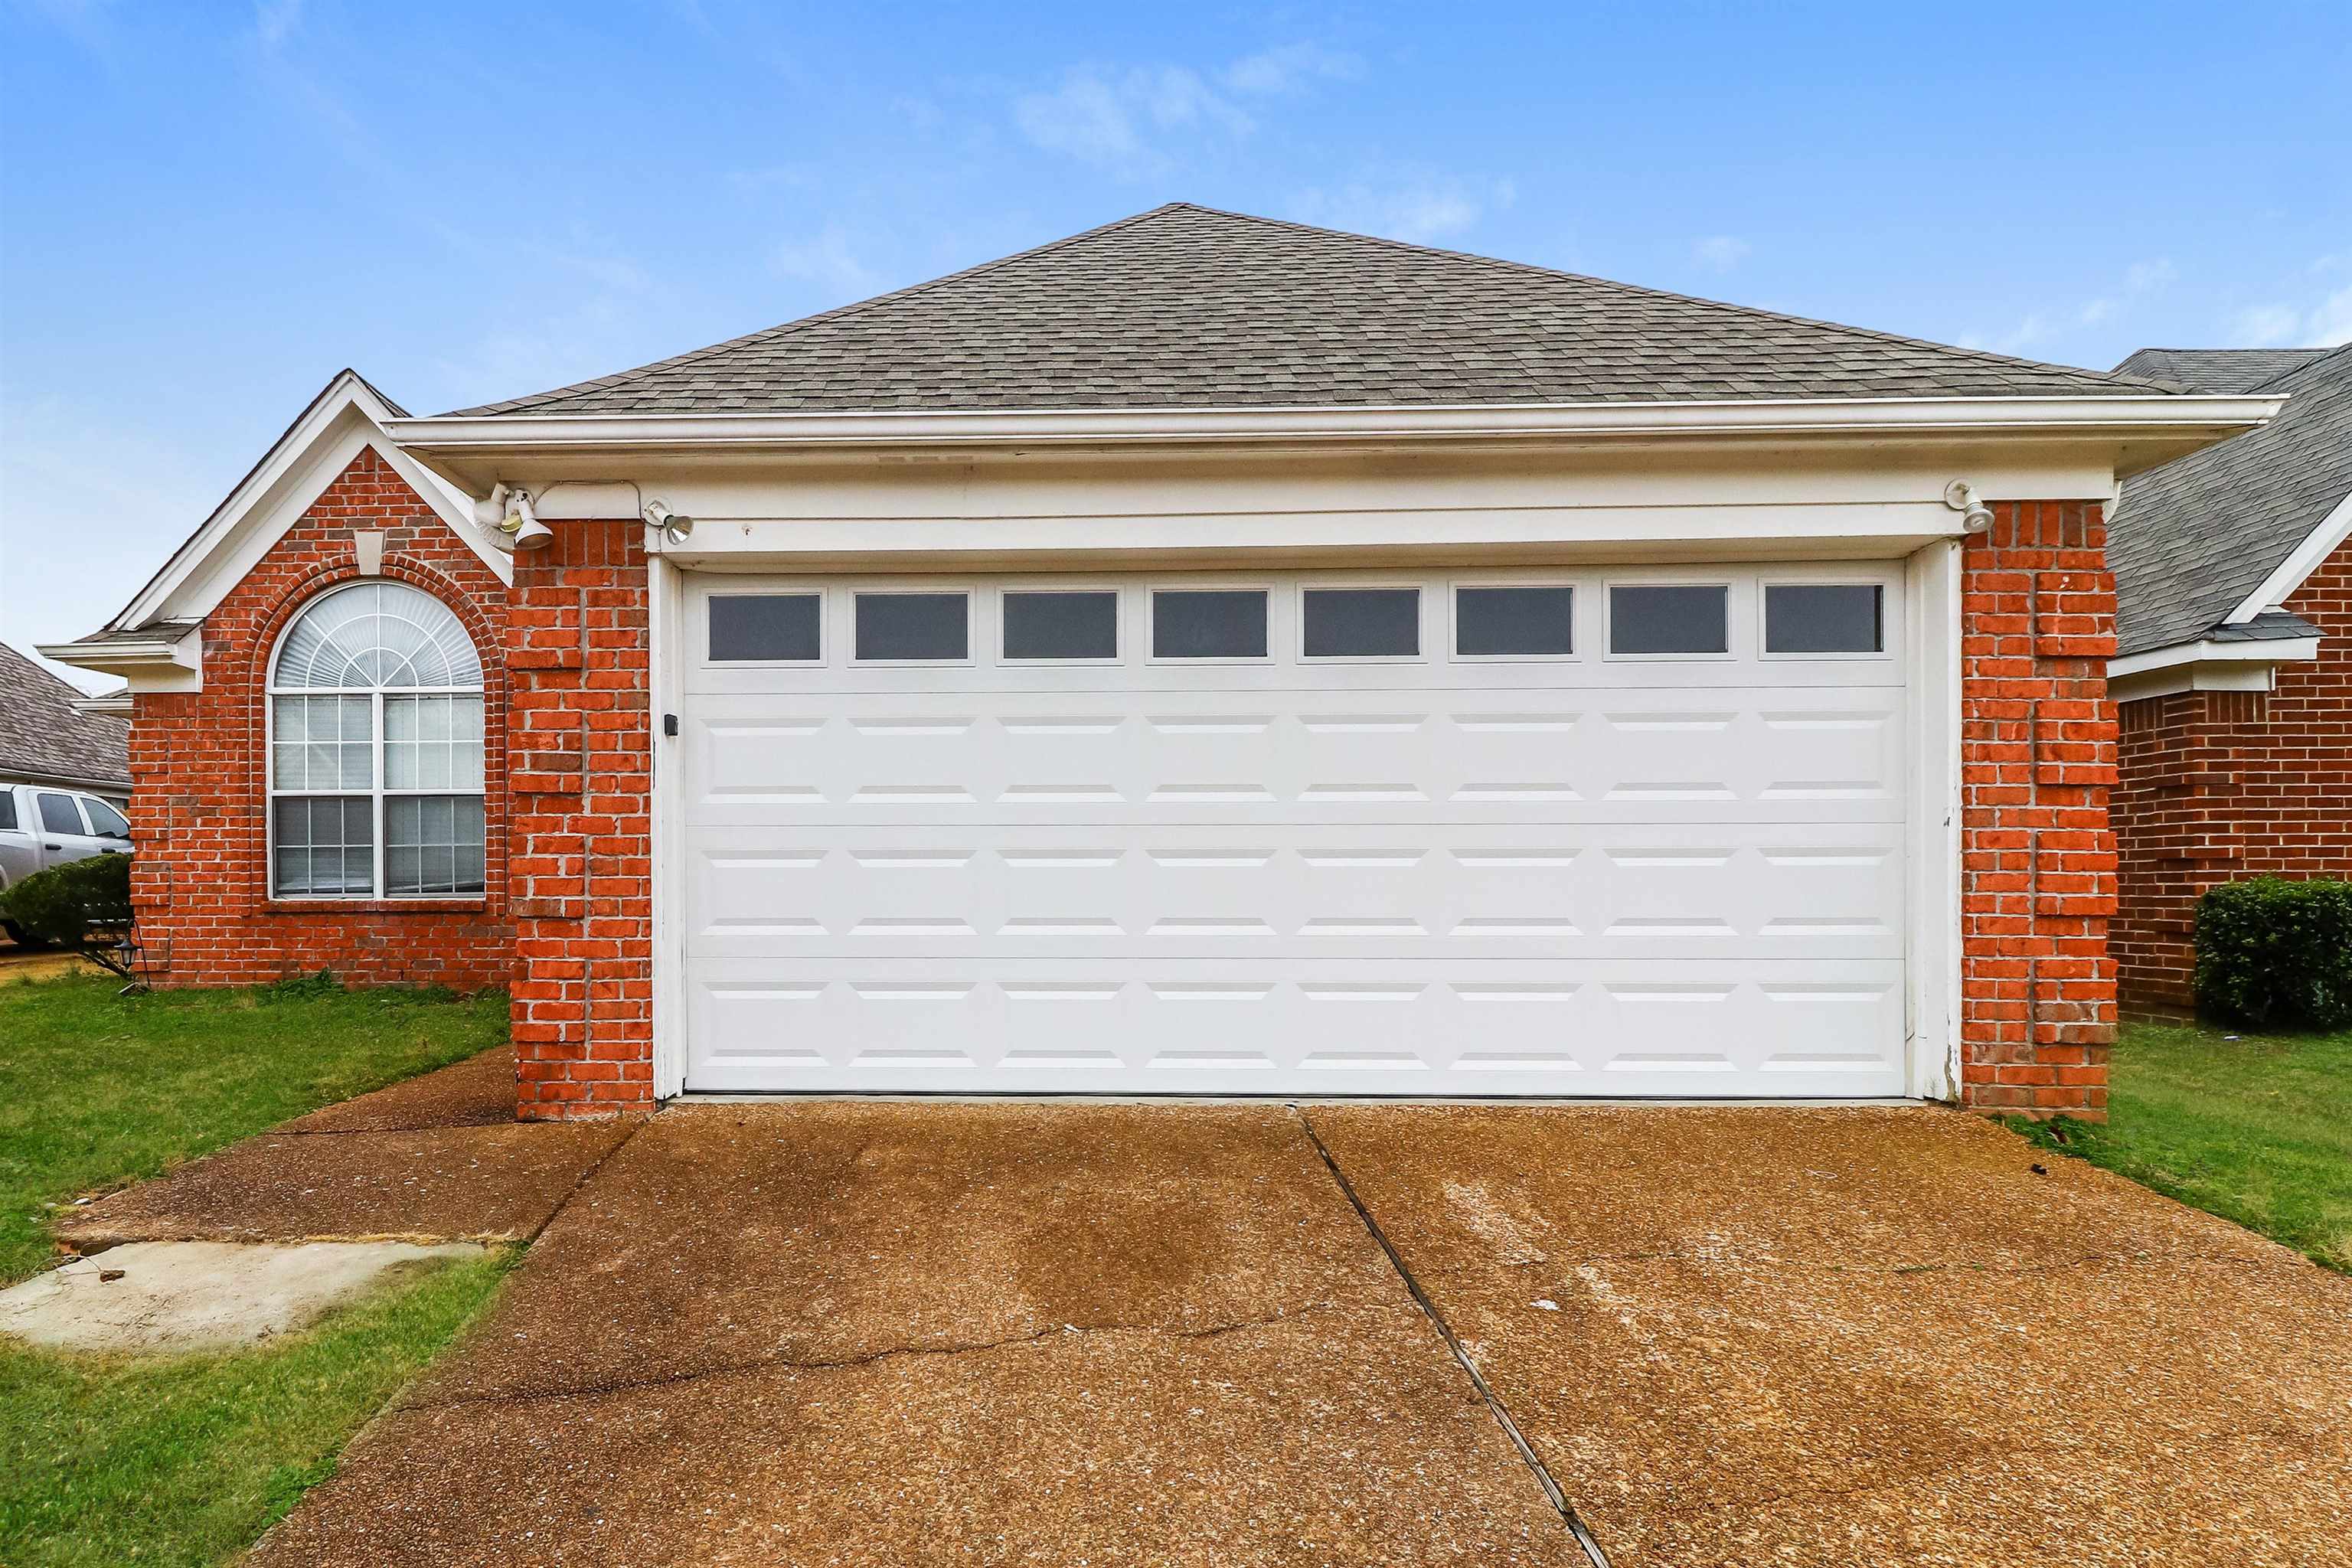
(1290, 68)
(2146, 277)
(1721, 252)
(2331, 323)
(1120, 120)
(275, 20)
(827, 261)
(1417, 205)
(2034, 328)
(2261, 326)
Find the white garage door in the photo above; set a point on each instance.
(1594, 832)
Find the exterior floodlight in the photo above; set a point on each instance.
(675, 528)
(522, 524)
(490, 511)
(1961, 496)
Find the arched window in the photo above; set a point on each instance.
(376, 749)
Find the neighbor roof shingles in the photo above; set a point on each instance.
(2227, 372)
(44, 736)
(1187, 307)
(2191, 540)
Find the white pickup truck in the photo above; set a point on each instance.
(41, 827)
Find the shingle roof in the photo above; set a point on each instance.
(2229, 371)
(44, 736)
(2191, 540)
(1187, 307)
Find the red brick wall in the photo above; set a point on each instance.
(571, 838)
(2220, 785)
(2038, 862)
(582, 864)
(199, 808)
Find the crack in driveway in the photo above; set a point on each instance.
(1495, 1407)
(781, 1362)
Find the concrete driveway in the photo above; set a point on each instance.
(887, 1332)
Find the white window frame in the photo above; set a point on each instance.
(1731, 629)
(1122, 631)
(1827, 577)
(1418, 587)
(824, 627)
(1576, 619)
(1278, 609)
(379, 793)
(969, 593)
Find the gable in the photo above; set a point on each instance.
(345, 419)
(2222, 534)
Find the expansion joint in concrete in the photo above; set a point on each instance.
(1534, 1461)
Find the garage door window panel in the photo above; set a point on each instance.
(1360, 623)
(1514, 621)
(1669, 620)
(377, 765)
(1812, 620)
(1209, 624)
(913, 628)
(1060, 626)
(767, 628)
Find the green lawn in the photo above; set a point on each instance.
(185, 1459)
(97, 1090)
(2257, 1128)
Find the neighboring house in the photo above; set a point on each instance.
(2233, 667)
(48, 735)
(1205, 655)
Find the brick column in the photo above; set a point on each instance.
(2038, 859)
(582, 864)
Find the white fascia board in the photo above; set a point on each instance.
(313, 452)
(2275, 590)
(171, 659)
(2196, 419)
(2268, 650)
(112, 702)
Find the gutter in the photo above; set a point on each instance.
(2197, 420)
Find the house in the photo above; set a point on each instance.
(2232, 672)
(52, 734)
(1204, 655)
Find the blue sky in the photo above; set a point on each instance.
(206, 209)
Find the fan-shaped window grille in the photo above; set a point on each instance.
(376, 749)
(377, 634)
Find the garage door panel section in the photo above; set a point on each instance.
(1424, 892)
(1734, 753)
(1324, 1026)
(1574, 874)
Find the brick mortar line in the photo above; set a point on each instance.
(1494, 1407)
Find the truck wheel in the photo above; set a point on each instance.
(16, 934)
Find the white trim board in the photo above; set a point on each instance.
(344, 419)
(2198, 418)
(2288, 575)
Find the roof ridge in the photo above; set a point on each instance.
(1612, 283)
(2318, 357)
(835, 314)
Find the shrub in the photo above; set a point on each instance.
(2270, 951)
(84, 904)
